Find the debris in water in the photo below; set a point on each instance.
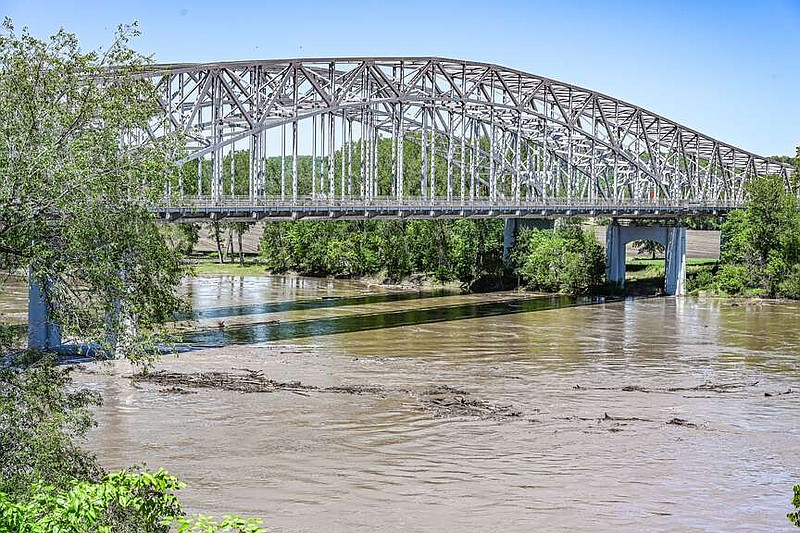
(176, 390)
(681, 422)
(788, 391)
(441, 400)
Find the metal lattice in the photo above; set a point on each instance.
(488, 134)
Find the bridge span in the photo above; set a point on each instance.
(428, 137)
(417, 130)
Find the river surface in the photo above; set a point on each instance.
(664, 414)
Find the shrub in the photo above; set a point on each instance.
(794, 517)
(120, 502)
(733, 279)
(564, 260)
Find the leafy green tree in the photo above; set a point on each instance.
(762, 242)
(41, 420)
(649, 247)
(240, 228)
(74, 210)
(566, 259)
(463, 250)
(120, 502)
(73, 199)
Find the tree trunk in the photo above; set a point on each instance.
(239, 233)
(229, 246)
(218, 239)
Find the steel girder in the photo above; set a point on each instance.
(501, 134)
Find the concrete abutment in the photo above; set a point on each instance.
(673, 238)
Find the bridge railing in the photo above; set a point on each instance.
(441, 202)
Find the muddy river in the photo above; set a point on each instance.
(332, 406)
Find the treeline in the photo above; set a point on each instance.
(468, 251)
(377, 157)
(760, 246)
(566, 259)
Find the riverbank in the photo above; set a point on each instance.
(206, 266)
(645, 276)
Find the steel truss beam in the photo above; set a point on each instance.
(485, 132)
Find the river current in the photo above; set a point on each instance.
(662, 414)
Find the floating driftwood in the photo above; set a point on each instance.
(440, 400)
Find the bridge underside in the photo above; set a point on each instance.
(392, 210)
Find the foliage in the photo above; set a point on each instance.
(74, 211)
(794, 517)
(278, 172)
(567, 259)
(702, 222)
(40, 420)
(699, 278)
(649, 247)
(761, 243)
(239, 228)
(119, 502)
(182, 237)
(48, 483)
(73, 200)
(463, 250)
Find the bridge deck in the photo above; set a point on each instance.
(231, 208)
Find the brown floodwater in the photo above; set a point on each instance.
(666, 414)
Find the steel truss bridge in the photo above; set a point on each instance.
(487, 141)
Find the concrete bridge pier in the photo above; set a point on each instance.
(515, 225)
(673, 238)
(43, 333)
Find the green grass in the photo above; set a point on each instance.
(646, 276)
(690, 261)
(210, 268)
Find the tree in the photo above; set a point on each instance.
(74, 199)
(240, 228)
(649, 247)
(182, 237)
(74, 211)
(567, 259)
(41, 419)
(762, 242)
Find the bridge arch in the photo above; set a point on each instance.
(494, 133)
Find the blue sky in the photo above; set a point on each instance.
(730, 69)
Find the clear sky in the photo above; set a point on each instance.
(730, 69)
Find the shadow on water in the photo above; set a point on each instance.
(336, 301)
(265, 332)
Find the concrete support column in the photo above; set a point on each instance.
(509, 237)
(43, 333)
(615, 256)
(675, 262)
